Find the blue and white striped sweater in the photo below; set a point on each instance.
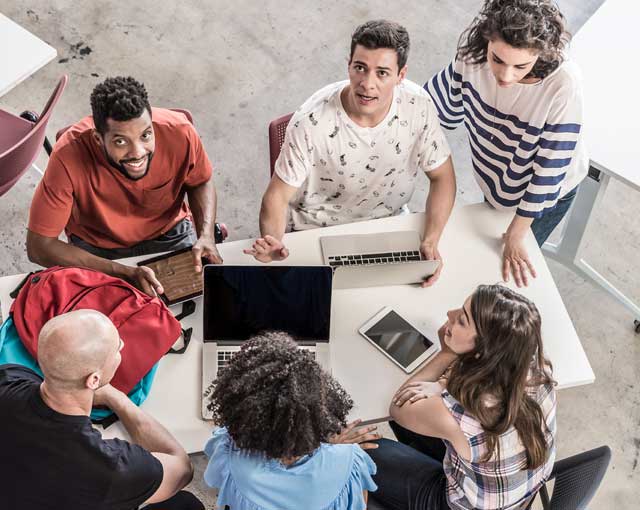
(525, 140)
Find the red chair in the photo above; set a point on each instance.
(277, 130)
(21, 139)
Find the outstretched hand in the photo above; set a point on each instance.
(267, 249)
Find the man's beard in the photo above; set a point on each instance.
(120, 167)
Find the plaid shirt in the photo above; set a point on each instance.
(502, 483)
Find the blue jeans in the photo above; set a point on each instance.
(543, 226)
(410, 475)
(181, 235)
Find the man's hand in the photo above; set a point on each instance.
(268, 249)
(414, 391)
(106, 395)
(145, 279)
(352, 435)
(205, 247)
(429, 250)
(515, 260)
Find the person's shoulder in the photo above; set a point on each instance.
(125, 458)
(415, 105)
(341, 456)
(174, 125)
(17, 375)
(75, 131)
(73, 144)
(566, 81)
(321, 102)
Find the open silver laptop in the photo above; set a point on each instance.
(373, 260)
(241, 301)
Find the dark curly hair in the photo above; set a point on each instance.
(532, 24)
(275, 399)
(382, 34)
(120, 98)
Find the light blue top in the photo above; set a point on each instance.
(331, 478)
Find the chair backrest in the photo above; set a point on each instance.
(186, 113)
(577, 479)
(18, 158)
(277, 130)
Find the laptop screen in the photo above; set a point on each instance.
(240, 301)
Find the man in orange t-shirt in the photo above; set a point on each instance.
(116, 183)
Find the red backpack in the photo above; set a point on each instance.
(145, 324)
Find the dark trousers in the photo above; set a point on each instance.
(183, 500)
(410, 475)
(182, 235)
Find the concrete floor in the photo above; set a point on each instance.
(236, 66)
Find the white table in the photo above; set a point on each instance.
(21, 54)
(471, 248)
(604, 48)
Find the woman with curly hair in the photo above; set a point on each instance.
(477, 424)
(521, 103)
(283, 442)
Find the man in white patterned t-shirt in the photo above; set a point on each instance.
(353, 150)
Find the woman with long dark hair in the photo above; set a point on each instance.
(521, 103)
(476, 426)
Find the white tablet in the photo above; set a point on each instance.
(401, 342)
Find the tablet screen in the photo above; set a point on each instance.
(398, 339)
(177, 274)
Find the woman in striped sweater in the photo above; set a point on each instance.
(521, 103)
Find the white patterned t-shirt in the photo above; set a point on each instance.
(348, 173)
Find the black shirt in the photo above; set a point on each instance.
(52, 461)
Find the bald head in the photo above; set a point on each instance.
(73, 345)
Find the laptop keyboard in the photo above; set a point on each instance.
(374, 258)
(224, 357)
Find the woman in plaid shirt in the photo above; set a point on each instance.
(476, 425)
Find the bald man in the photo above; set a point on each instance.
(52, 458)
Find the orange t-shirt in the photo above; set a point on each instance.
(84, 195)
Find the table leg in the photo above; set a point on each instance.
(567, 251)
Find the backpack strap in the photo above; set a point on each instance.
(14, 293)
(188, 308)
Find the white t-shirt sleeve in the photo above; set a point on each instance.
(292, 166)
(434, 149)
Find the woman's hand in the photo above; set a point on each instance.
(413, 391)
(352, 435)
(515, 260)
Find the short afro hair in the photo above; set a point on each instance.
(382, 34)
(121, 98)
(275, 400)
